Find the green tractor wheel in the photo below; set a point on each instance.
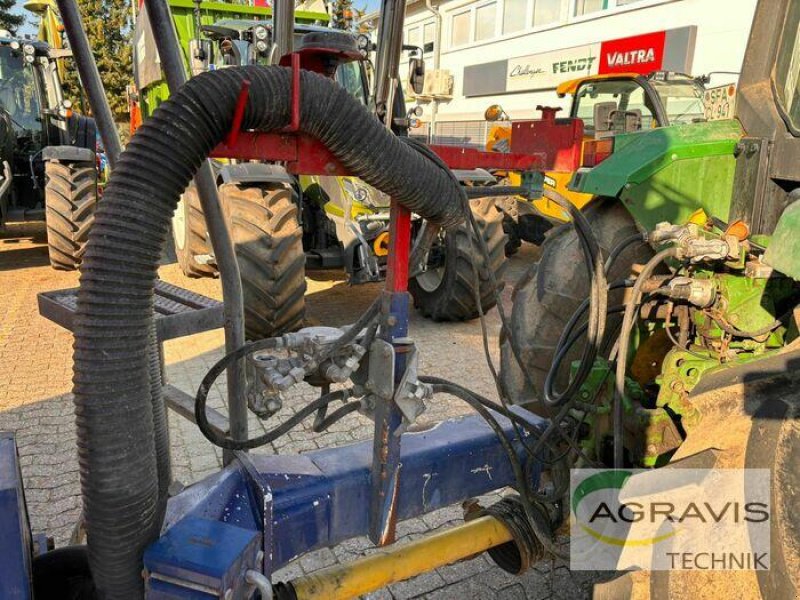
(549, 293)
(189, 235)
(268, 240)
(446, 290)
(70, 201)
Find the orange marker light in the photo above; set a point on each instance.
(739, 230)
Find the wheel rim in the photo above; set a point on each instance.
(179, 225)
(431, 278)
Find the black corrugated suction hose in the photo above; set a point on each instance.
(117, 440)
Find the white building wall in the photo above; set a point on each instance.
(722, 26)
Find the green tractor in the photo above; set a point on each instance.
(699, 227)
(283, 226)
(47, 153)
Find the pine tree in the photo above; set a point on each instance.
(108, 27)
(8, 20)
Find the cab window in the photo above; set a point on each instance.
(787, 67)
(18, 91)
(626, 96)
(349, 76)
(682, 100)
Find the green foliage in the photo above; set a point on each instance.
(108, 27)
(8, 20)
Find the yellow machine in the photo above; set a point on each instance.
(50, 28)
(608, 105)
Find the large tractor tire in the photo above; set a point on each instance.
(70, 201)
(446, 291)
(84, 132)
(513, 241)
(549, 293)
(189, 235)
(268, 239)
(749, 419)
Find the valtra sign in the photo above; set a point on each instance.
(670, 50)
(637, 54)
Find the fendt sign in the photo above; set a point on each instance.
(671, 50)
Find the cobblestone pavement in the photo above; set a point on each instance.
(35, 373)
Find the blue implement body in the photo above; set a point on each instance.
(295, 504)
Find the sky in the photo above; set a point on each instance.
(372, 5)
(27, 28)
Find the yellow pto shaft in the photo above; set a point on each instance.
(402, 562)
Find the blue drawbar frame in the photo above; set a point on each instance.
(260, 512)
(15, 532)
(263, 511)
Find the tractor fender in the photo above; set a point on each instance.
(666, 174)
(254, 173)
(68, 154)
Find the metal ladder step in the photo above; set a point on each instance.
(183, 404)
(179, 312)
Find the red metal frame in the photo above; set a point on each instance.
(544, 144)
(294, 125)
(457, 157)
(238, 114)
(540, 147)
(399, 248)
(560, 141)
(305, 155)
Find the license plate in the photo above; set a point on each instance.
(720, 102)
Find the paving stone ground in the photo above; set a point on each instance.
(35, 402)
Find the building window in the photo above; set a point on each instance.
(546, 12)
(460, 26)
(429, 36)
(414, 38)
(584, 7)
(485, 17)
(514, 15)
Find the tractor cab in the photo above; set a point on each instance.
(623, 103)
(33, 116)
(20, 89)
(241, 42)
(30, 90)
(608, 105)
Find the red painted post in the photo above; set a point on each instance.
(386, 470)
(238, 114)
(399, 248)
(295, 122)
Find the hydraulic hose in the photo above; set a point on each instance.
(114, 408)
(628, 321)
(598, 301)
(545, 538)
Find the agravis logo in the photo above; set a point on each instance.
(613, 482)
(669, 519)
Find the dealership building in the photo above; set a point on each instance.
(515, 52)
